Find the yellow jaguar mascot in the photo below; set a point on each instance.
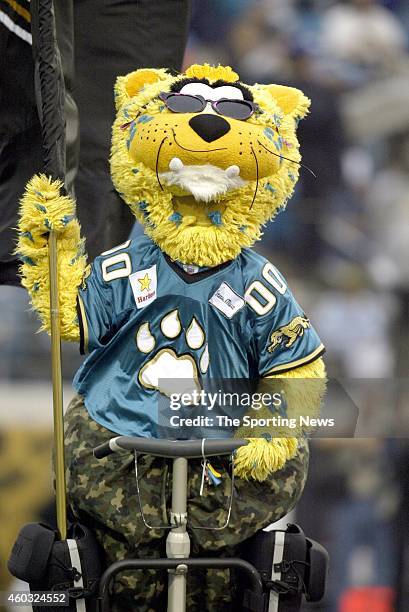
(203, 161)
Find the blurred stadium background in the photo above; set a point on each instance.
(343, 244)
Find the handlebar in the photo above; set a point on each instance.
(169, 448)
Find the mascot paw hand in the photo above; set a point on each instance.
(260, 457)
(43, 208)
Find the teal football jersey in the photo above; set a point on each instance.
(144, 322)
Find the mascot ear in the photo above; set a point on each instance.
(292, 101)
(126, 87)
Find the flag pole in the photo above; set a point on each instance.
(50, 94)
(58, 415)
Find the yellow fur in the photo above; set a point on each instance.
(291, 100)
(131, 85)
(157, 135)
(43, 208)
(212, 73)
(261, 457)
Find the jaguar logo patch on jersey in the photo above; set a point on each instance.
(293, 330)
(144, 284)
(227, 301)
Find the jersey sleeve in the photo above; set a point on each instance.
(283, 336)
(100, 305)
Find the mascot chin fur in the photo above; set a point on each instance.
(203, 161)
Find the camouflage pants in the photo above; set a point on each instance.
(105, 493)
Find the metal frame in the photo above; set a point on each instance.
(246, 568)
(170, 525)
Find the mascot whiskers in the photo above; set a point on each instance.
(203, 161)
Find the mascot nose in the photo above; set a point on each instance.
(209, 127)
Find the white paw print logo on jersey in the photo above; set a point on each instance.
(166, 371)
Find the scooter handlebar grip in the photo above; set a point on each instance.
(103, 450)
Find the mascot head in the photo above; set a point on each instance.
(204, 160)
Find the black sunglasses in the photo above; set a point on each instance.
(188, 103)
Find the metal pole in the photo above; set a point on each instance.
(178, 541)
(60, 491)
(179, 490)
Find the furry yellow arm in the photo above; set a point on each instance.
(42, 209)
(262, 457)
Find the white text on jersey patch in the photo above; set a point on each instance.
(144, 285)
(227, 301)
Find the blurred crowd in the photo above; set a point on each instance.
(342, 243)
